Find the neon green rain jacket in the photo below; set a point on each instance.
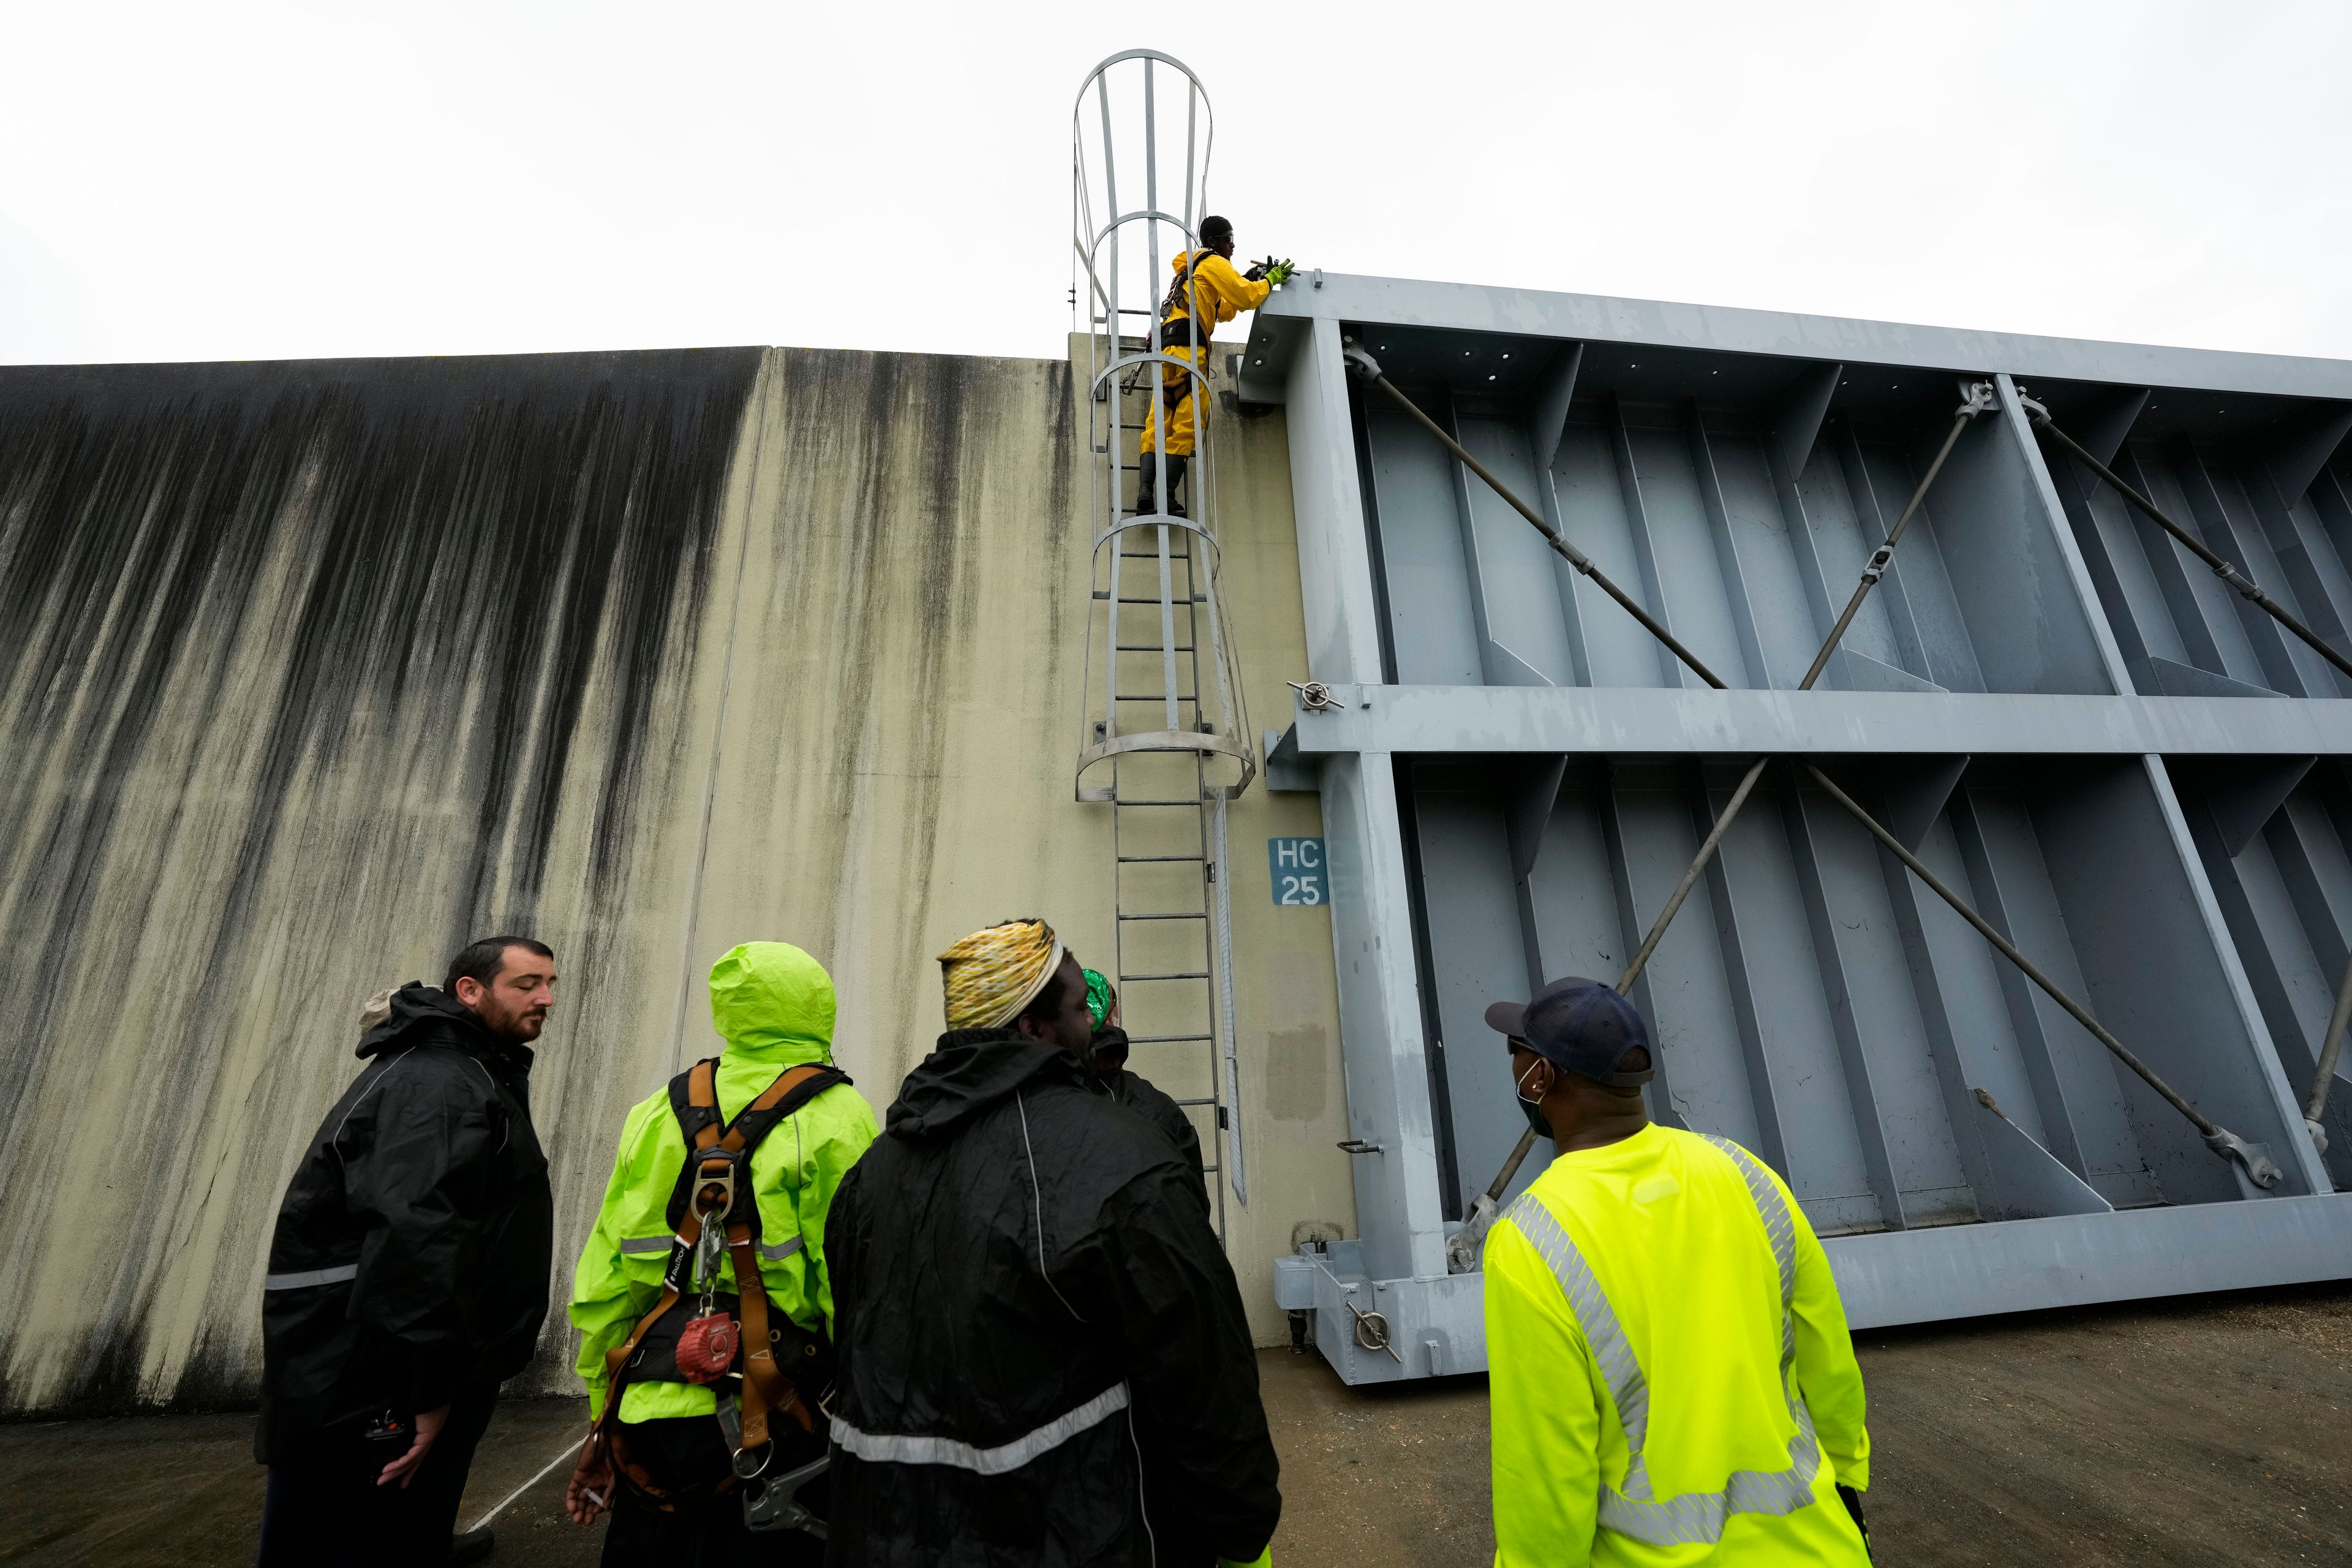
(774, 1004)
(1653, 1402)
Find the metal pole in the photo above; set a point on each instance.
(2223, 569)
(1979, 395)
(2331, 1046)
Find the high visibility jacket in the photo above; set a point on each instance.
(1671, 1377)
(1218, 292)
(774, 1004)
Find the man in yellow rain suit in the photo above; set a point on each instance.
(1207, 290)
(775, 1006)
(1670, 1375)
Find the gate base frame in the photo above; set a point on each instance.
(1438, 1326)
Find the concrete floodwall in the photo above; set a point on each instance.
(311, 671)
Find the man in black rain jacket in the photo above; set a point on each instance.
(1042, 1355)
(409, 1274)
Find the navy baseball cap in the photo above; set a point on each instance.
(1579, 1024)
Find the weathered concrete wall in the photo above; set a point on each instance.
(308, 672)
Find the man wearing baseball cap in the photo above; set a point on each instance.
(1672, 1379)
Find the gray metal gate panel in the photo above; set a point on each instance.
(2044, 701)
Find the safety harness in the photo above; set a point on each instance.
(713, 1213)
(1176, 310)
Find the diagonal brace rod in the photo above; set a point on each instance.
(2245, 586)
(1980, 400)
(2331, 1046)
(2221, 1142)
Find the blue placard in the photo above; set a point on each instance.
(1298, 871)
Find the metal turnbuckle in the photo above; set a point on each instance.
(1373, 1332)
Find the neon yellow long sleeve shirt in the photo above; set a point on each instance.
(1654, 1404)
(774, 1004)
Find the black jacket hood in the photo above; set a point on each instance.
(969, 1072)
(425, 1014)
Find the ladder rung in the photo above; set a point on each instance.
(1116, 802)
(1177, 975)
(1179, 599)
(1203, 1101)
(1173, 555)
(1166, 1040)
(1199, 917)
(1152, 697)
(1126, 858)
(1152, 648)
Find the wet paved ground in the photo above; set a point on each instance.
(2213, 1430)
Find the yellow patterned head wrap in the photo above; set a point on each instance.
(991, 974)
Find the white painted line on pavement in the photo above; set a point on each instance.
(562, 1453)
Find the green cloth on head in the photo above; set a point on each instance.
(1098, 996)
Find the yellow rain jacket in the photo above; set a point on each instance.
(775, 1006)
(1671, 1380)
(1217, 292)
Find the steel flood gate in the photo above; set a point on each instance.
(2123, 765)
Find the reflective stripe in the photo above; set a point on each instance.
(312, 1276)
(1780, 1229)
(1628, 1389)
(775, 1254)
(1692, 1516)
(907, 1449)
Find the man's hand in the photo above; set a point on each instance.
(403, 1470)
(1278, 272)
(591, 1491)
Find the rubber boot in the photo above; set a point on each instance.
(1147, 486)
(470, 1546)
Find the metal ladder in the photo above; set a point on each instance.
(1151, 793)
(1166, 720)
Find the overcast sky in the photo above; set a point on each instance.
(244, 181)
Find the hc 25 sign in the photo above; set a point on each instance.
(1296, 866)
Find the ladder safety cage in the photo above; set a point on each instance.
(1166, 741)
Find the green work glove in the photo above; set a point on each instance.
(1262, 1560)
(1279, 273)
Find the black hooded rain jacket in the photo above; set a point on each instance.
(1044, 1359)
(411, 1258)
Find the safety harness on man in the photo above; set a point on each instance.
(697, 1333)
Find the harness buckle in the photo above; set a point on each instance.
(775, 1504)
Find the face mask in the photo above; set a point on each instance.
(1533, 1107)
